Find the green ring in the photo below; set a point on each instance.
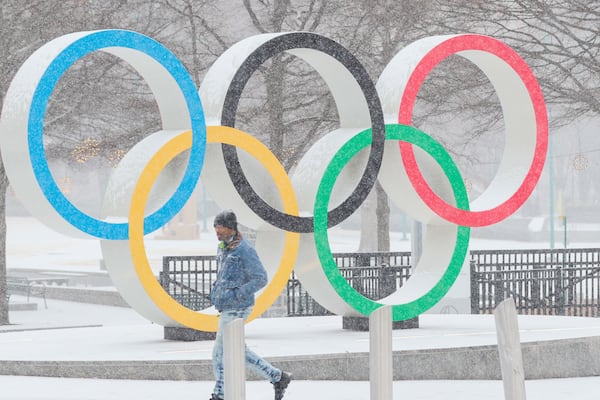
(357, 301)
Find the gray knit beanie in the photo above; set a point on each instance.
(227, 219)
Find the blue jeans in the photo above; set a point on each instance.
(253, 360)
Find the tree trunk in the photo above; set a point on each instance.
(383, 219)
(274, 83)
(4, 317)
(375, 222)
(368, 224)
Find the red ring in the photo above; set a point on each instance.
(509, 56)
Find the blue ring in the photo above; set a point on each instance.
(63, 61)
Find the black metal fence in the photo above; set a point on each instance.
(188, 279)
(545, 282)
(374, 275)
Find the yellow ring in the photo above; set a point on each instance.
(182, 142)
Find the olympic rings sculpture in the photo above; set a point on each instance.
(291, 217)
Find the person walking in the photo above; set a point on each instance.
(240, 274)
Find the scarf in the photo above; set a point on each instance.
(234, 241)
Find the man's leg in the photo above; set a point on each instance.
(277, 377)
(262, 366)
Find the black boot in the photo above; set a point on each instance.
(283, 383)
(215, 397)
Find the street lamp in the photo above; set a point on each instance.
(546, 41)
(551, 178)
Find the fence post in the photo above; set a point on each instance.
(234, 367)
(380, 353)
(387, 281)
(475, 289)
(509, 350)
(561, 291)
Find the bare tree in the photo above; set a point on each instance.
(559, 40)
(375, 32)
(23, 28)
(457, 105)
(79, 124)
(294, 97)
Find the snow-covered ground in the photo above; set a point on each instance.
(21, 388)
(31, 245)
(121, 334)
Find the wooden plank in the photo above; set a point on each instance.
(234, 360)
(380, 353)
(509, 349)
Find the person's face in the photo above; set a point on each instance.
(223, 232)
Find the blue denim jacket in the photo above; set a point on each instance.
(241, 274)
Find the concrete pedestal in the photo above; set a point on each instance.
(187, 334)
(362, 323)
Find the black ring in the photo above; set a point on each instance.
(279, 44)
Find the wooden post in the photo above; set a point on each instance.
(234, 360)
(509, 349)
(380, 353)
